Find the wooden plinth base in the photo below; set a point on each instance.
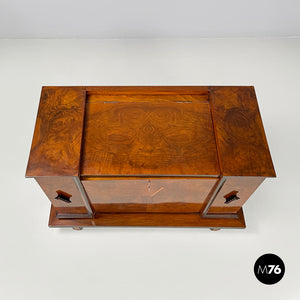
(151, 219)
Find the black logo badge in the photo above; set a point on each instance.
(269, 268)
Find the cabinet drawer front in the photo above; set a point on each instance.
(148, 195)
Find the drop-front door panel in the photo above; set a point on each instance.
(148, 195)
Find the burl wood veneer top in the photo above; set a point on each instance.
(148, 135)
(173, 130)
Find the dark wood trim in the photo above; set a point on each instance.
(73, 216)
(212, 196)
(84, 196)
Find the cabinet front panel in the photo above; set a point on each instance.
(148, 195)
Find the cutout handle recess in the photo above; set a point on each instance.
(232, 196)
(63, 196)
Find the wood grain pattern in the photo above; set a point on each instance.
(148, 195)
(241, 139)
(146, 90)
(117, 98)
(180, 139)
(149, 138)
(56, 143)
(245, 186)
(142, 219)
(51, 184)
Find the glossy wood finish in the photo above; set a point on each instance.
(142, 98)
(194, 145)
(241, 140)
(146, 219)
(146, 90)
(51, 184)
(56, 144)
(149, 195)
(158, 135)
(244, 186)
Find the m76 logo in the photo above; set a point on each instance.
(269, 269)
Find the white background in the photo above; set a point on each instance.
(148, 18)
(148, 263)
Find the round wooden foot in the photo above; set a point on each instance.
(214, 228)
(77, 228)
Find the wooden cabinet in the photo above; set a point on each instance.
(149, 156)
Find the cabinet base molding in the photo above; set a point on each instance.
(150, 219)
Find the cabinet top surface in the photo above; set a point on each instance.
(155, 131)
(148, 135)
